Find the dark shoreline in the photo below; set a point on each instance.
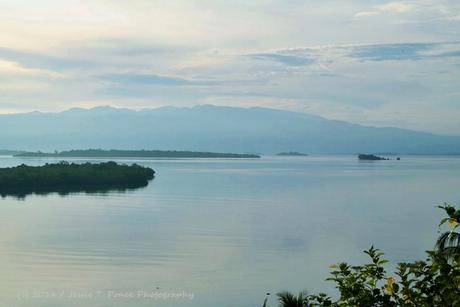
(98, 153)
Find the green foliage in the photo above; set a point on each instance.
(449, 241)
(72, 176)
(288, 299)
(432, 282)
(361, 285)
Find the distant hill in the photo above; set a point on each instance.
(210, 129)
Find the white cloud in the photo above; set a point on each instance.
(391, 7)
(13, 68)
(453, 18)
(366, 14)
(395, 7)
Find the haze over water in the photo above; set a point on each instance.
(226, 231)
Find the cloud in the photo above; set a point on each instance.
(13, 68)
(395, 7)
(405, 51)
(391, 7)
(41, 60)
(324, 56)
(286, 59)
(383, 52)
(366, 14)
(453, 18)
(448, 54)
(146, 79)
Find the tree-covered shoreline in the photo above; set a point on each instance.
(292, 154)
(113, 153)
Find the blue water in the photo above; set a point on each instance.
(218, 232)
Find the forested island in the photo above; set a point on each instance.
(72, 177)
(99, 153)
(7, 152)
(371, 157)
(292, 154)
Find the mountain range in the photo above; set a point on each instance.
(211, 128)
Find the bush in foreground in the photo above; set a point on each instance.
(434, 281)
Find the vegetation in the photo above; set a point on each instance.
(371, 157)
(99, 153)
(432, 282)
(288, 299)
(71, 177)
(292, 153)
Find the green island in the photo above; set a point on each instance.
(65, 177)
(8, 152)
(371, 157)
(292, 154)
(100, 153)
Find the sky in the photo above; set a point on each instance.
(379, 63)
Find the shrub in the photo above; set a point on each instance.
(434, 281)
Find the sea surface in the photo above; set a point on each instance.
(218, 232)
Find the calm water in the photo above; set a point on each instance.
(224, 231)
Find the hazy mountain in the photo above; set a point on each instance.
(209, 128)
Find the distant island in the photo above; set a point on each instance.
(371, 157)
(7, 152)
(292, 153)
(72, 177)
(99, 153)
(387, 153)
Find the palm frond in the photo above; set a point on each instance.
(265, 302)
(448, 240)
(287, 299)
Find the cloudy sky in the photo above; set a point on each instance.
(372, 62)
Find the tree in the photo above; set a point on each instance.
(449, 241)
(288, 299)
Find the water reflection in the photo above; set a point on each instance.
(22, 192)
(227, 231)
